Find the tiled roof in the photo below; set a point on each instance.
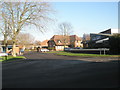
(75, 37)
(44, 43)
(60, 39)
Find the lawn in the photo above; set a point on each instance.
(81, 54)
(11, 58)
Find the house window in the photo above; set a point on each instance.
(59, 41)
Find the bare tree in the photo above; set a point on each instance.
(4, 30)
(86, 37)
(20, 14)
(25, 39)
(65, 29)
(85, 40)
(37, 42)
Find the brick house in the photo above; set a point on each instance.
(44, 44)
(58, 42)
(75, 41)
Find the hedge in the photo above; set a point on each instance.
(115, 44)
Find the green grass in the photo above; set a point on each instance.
(9, 58)
(81, 54)
(54, 52)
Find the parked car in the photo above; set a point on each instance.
(77, 48)
(44, 50)
(67, 48)
(3, 54)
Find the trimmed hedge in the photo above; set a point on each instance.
(115, 44)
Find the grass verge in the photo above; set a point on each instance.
(81, 54)
(9, 58)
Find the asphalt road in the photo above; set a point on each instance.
(41, 70)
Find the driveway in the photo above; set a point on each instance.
(43, 70)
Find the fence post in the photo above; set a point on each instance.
(100, 51)
(104, 51)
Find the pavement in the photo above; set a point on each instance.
(45, 70)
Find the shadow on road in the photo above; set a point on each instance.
(47, 72)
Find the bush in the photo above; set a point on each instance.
(51, 48)
(115, 44)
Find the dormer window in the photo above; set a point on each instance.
(59, 41)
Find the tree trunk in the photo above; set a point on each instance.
(13, 50)
(14, 44)
(5, 43)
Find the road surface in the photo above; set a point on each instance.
(43, 70)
